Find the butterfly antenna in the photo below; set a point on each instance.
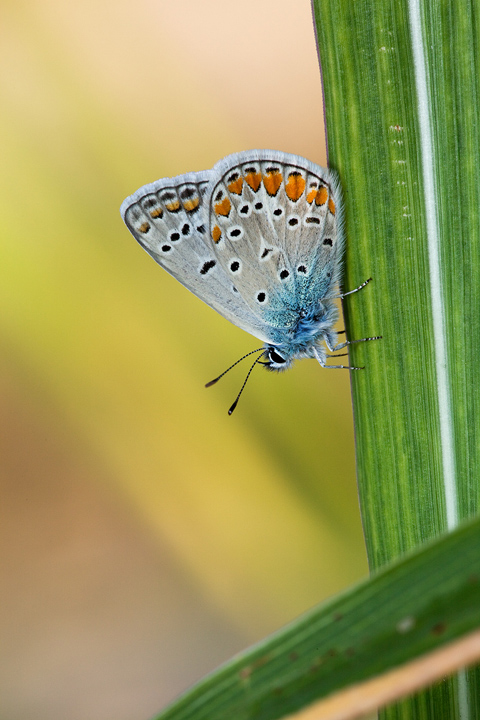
(257, 361)
(212, 382)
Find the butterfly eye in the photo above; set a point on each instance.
(275, 357)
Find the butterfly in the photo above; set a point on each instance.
(259, 238)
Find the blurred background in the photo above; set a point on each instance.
(146, 536)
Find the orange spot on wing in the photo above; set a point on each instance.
(295, 186)
(216, 234)
(144, 227)
(272, 182)
(192, 204)
(236, 186)
(322, 196)
(331, 206)
(157, 213)
(253, 180)
(223, 207)
(173, 206)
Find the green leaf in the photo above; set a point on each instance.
(401, 84)
(419, 603)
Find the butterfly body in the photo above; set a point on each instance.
(304, 339)
(259, 238)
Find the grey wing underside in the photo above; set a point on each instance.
(276, 227)
(169, 220)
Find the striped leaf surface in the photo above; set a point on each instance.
(401, 84)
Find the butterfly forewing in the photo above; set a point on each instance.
(169, 220)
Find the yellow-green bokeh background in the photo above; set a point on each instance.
(147, 536)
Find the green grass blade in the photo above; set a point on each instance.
(401, 83)
(421, 602)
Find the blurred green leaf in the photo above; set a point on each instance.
(415, 605)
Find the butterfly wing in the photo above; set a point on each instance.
(169, 220)
(275, 227)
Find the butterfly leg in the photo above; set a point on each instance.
(350, 292)
(334, 367)
(340, 346)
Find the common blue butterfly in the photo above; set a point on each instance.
(259, 238)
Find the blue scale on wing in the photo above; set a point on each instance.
(248, 247)
(311, 237)
(169, 220)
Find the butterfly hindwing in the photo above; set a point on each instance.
(275, 229)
